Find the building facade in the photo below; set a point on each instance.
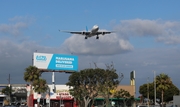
(56, 95)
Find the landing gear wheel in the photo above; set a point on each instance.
(97, 37)
(85, 37)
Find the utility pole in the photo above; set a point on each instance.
(9, 80)
(9, 85)
(154, 87)
(148, 90)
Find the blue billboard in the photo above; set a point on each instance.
(56, 61)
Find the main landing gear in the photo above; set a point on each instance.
(97, 37)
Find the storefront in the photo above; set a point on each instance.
(58, 95)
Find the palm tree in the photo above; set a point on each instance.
(32, 74)
(40, 86)
(163, 82)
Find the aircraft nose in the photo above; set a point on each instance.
(96, 27)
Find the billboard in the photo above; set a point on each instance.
(55, 61)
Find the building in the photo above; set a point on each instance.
(17, 96)
(57, 95)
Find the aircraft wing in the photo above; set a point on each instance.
(103, 33)
(75, 32)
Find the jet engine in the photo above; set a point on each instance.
(83, 33)
(103, 33)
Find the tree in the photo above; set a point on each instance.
(40, 86)
(125, 95)
(84, 85)
(7, 91)
(143, 90)
(32, 75)
(88, 83)
(163, 82)
(168, 92)
(108, 81)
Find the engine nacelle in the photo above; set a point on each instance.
(83, 33)
(103, 33)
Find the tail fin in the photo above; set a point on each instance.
(86, 28)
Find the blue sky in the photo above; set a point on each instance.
(147, 36)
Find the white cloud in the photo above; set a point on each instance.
(16, 25)
(106, 45)
(173, 39)
(14, 29)
(164, 31)
(22, 19)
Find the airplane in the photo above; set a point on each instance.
(94, 32)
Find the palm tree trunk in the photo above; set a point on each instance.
(162, 94)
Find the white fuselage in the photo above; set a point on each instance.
(95, 29)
